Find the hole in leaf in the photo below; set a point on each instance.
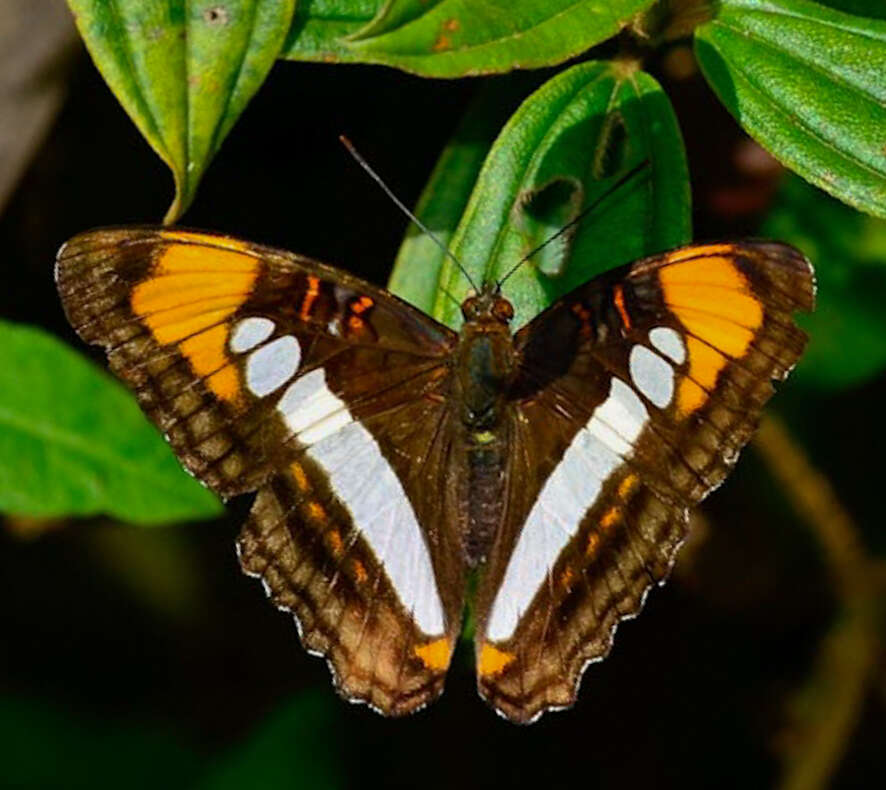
(545, 212)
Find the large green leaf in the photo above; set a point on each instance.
(453, 38)
(808, 83)
(184, 70)
(565, 145)
(73, 442)
(847, 331)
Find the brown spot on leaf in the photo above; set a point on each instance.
(216, 15)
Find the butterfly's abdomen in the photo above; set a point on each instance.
(485, 451)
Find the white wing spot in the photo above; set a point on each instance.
(653, 376)
(669, 343)
(249, 333)
(271, 366)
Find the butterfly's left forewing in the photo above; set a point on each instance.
(272, 372)
(633, 397)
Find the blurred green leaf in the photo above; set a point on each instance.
(73, 442)
(453, 38)
(416, 271)
(44, 747)
(159, 569)
(807, 82)
(294, 748)
(848, 328)
(184, 70)
(565, 145)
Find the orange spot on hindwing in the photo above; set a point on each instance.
(492, 661)
(359, 571)
(567, 577)
(335, 542)
(610, 517)
(434, 655)
(316, 511)
(593, 544)
(627, 485)
(298, 474)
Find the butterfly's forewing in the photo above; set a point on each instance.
(634, 396)
(269, 371)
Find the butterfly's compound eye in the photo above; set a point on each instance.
(470, 308)
(503, 310)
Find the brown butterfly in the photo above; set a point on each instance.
(394, 457)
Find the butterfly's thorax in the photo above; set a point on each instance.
(484, 367)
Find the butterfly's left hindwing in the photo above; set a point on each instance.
(269, 371)
(633, 397)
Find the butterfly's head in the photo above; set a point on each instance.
(488, 306)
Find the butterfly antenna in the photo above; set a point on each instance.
(617, 185)
(449, 294)
(399, 203)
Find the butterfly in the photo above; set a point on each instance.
(396, 459)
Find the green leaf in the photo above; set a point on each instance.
(184, 70)
(453, 38)
(565, 145)
(808, 83)
(847, 331)
(320, 29)
(296, 747)
(73, 442)
(416, 273)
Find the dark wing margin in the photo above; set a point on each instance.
(267, 371)
(635, 395)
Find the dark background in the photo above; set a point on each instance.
(144, 654)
